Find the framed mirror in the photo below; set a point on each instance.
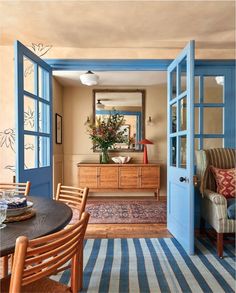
(130, 104)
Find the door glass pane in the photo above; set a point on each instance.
(173, 111)
(196, 118)
(183, 114)
(213, 143)
(30, 116)
(43, 82)
(30, 151)
(44, 151)
(29, 76)
(196, 144)
(183, 151)
(183, 69)
(44, 117)
(213, 89)
(196, 89)
(173, 142)
(173, 84)
(213, 120)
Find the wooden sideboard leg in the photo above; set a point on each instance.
(157, 194)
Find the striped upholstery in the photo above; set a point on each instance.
(214, 205)
(219, 158)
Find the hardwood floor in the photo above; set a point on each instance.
(127, 231)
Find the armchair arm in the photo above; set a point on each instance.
(215, 197)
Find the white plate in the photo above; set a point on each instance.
(19, 211)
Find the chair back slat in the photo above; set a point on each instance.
(35, 259)
(75, 197)
(20, 188)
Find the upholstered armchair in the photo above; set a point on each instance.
(214, 205)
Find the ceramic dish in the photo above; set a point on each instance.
(19, 211)
(121, 160)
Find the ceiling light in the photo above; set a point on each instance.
(89, 78)
(99, 105)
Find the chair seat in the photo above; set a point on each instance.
(44, 285)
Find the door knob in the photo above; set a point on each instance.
(182, 179)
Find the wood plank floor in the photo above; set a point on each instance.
(127, 231)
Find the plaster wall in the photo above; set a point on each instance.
(77, 105)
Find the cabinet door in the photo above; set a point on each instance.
(150, 177)
(88, 177)
(108, 177)
(129, 177)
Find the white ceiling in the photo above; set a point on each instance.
(114, 78)
(104, 29)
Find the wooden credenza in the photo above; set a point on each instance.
(126, 177)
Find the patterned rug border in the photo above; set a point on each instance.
(130, 211)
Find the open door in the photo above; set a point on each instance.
(180, 135)
(33, 121)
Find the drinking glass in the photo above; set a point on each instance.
(3, 215)
(8, 194)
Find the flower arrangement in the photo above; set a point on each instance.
(106, 132)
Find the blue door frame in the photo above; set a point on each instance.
(38, 167)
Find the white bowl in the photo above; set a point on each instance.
(121, 160)
(19, 211)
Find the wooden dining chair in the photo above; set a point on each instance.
(35, 260)
(75, 197)
(18, 188)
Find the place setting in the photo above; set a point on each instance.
(14, 208)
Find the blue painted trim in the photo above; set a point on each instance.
(125, 64)
(209, 135)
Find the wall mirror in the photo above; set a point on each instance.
(130, 104)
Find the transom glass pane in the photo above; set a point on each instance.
(30, 114)
(213, 89)
(30, 151)
(213, 120)
(29, 76)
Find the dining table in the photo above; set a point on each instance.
(51, 216)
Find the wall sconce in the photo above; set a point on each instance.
(149, 121)
(87, 122)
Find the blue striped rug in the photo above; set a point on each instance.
(154, 265)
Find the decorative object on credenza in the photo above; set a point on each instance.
(89, 78)
(121, 160)
(58, 126)
(145, 142)
(106, 132)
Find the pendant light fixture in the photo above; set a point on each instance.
(89, 78)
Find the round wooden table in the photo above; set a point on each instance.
(51, 216)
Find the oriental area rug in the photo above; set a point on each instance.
(104, 211)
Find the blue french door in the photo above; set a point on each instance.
(33, 121)
(180, 190)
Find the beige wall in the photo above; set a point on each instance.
(57, 148)
(77, 105)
